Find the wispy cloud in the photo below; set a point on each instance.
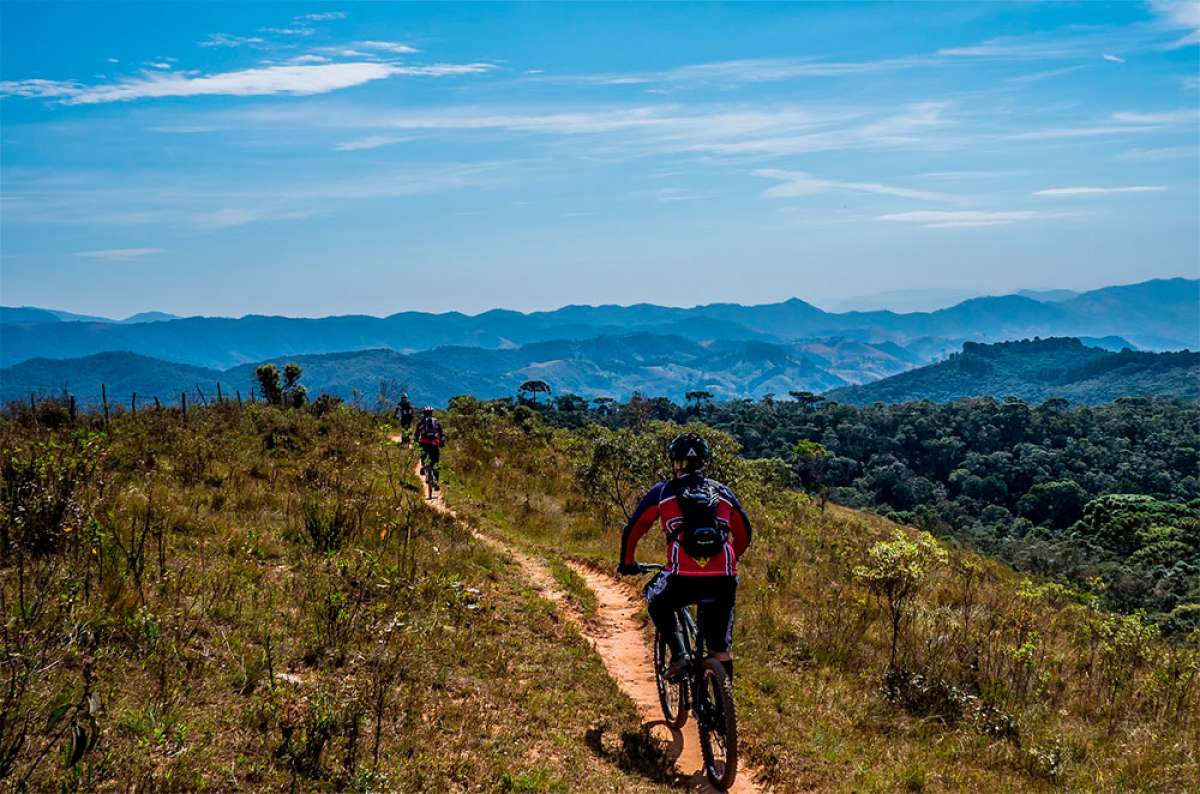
(1161, 153)
(1098, 191)
(1033, 77)
(393, 47)
(371, 142)
(1113, 58)
(121, 253)
(226, 40)
(292, 31)
(323, 16)
(799, 183)
(957, 219)
(228, 217)
(746, 71)
(1182, 116)
(294, 80)
(1179, 15)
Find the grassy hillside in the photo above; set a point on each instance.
(253, 598)
(258, 600)
(1035, 370)
(1002, 682)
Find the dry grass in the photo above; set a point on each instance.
(254, 598)
(1023, 685)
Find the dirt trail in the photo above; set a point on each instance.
(617, 636)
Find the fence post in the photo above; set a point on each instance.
(239, 396)
(157, 404)
(133, 404)
(104, 399)
(219, 400)
(183, 402)
(71, 402)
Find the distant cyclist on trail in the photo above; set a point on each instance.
(407, 413)
(706, 532)
(431, 438)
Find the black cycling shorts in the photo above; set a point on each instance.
(433, 452)
(714, 595)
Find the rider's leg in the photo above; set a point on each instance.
(716, 613)
(662, 603)
(435, 456)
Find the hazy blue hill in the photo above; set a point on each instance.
(27, 314)
(1048, 295)
(1036, 370)
(1163, 314)
(150, 317)
(123, 374)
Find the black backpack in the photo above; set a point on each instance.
(699, 531)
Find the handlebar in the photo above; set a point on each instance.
(650, 567)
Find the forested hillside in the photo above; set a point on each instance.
(1035, 370)
(254, 597)
(1032, 484)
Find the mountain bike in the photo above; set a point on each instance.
(705, 690)
(430, 473)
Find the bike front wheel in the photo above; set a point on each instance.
(717, 723)
(672, 695)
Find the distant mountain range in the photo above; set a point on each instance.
(1036, 370)
(651, 364)
(603, 366)
(32, 315)
(1156, 315)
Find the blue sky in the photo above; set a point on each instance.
(312, 159)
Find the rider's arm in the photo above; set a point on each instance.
(739, 524)
(639, 523)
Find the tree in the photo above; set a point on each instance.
(806, 399)
(895, 571)
(290, 393)
(532, 388)
(696, 400)
(807, 457)
(268, 382)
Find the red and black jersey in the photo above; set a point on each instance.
(659, 505)
(429, 431)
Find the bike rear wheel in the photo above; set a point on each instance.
(717, 723)
(672, 695)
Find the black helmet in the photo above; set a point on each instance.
(689, 448)
(427, 410)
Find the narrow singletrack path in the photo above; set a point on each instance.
(616, 633)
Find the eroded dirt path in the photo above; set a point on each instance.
(617, 636)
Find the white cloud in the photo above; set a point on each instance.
(306, 59)
(1179, 15)
(228, 217)
(226, 40)
(799, 183)
(113, 60)
(749, 70)
(294, 80)
(323, 16)
(121, 253)
(160, 65)
(1167, 117)
(371, 142)
(1096, 191)
(394, 47)
(952, 219)
(297, 31)
(1113, 58)
(1161, 153)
